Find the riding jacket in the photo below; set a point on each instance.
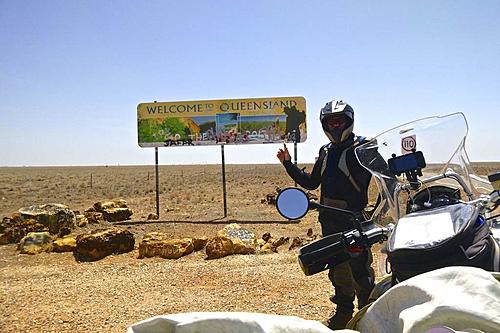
(344, 182)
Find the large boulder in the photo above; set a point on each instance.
(12, 230)
(156, 244)
(112, 210)
(36, 242)
(54, 216)
(103, 242)
(231, 240)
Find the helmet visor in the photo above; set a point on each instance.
(337, 127)
(336, 122)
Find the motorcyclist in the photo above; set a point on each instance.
(344, 184)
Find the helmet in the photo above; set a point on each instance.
(334, 110)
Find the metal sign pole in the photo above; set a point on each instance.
(157, 183)
(295, 152)
(295, 149)
(224, 180)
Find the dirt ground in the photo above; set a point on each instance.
(52, 292)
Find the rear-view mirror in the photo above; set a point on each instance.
(292, 203)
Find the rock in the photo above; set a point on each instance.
(301, 241)
(101, 243)
(312, 196)
(102, 206)
(219, 247)
(53, 216)
(64, 231)
(6, 231)
(271, 245)
(36, 242)
(14, 229)
(112, 210)
(275, 243)
(261, 243)
(117, 214)
(297, 242)
(6, 223)
(66, 244)
(156, 244)
(266, 249)
(231, 240)
(93, 217)
(199, 243)
(81, 220)
(267, 236)
(271, 197)
(153, 216)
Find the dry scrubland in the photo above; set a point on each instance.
(54, 293)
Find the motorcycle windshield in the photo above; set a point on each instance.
(441, 139)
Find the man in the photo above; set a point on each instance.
(344, 184)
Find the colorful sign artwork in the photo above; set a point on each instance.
(229, 121)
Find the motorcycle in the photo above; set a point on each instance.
(433, 211)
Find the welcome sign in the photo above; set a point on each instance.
(228, 121)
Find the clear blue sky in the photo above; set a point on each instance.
(73, 72)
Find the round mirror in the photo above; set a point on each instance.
(292, 203)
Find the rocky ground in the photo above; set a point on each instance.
(53, 292)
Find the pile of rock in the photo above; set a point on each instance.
(232, 239)
(48, 228)
(108, 210)
(42, 228)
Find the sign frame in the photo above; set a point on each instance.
(225, 121)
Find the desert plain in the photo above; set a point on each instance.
(52, 292)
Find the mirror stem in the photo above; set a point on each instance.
(314, 204)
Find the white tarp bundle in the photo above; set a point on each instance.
(228, 322)
(462, 299)
(452, 299)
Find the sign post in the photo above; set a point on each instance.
(294, 136)
(224, 180)
(157, 179)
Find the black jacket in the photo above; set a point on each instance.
(344, 182)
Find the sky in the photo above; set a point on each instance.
(73, 72)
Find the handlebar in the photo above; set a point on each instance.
(378, 234)
(373, 234)
(337, 248)
(486, 201)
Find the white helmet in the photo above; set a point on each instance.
(337, 108)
